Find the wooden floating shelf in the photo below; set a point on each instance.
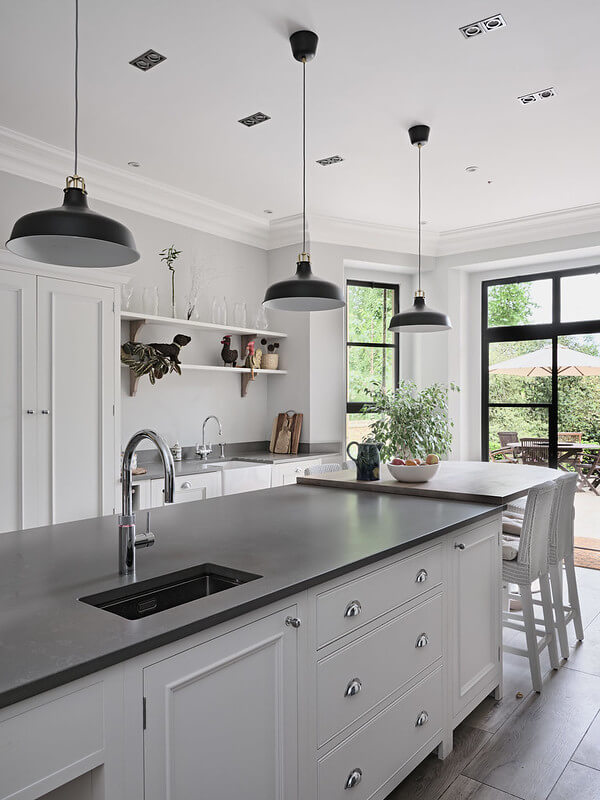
(137, 321)
(210, 327)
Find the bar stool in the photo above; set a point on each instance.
(524, 561)
(560, 551)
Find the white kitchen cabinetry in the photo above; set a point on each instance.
(475, 558)
(250, 478)
(285, 474)
(57, 401)
(221, 718)
(188, 488)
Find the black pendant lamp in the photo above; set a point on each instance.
(73, 235)
(303, 291)
(418, 318)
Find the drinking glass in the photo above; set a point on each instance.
(151, 300)
(240, 316)
(126, 297)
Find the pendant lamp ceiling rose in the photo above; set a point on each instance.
(419, 135)
(304, 45)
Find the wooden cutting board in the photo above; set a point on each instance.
(286, 419)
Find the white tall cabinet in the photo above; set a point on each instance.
(57, 399)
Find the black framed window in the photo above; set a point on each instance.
(535, 329)
(372, 351)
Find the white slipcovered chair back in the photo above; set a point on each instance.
(533, 545)
(561, 540)
(321, 469)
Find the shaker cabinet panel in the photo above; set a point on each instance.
(221, 718)
(18, 478)
(76, 391)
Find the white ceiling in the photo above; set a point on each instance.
(382, 65)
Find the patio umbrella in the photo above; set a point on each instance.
(539, 363)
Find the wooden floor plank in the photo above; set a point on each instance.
(577, 783)
(528, 754)
(432, 777)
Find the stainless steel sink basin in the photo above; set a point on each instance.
(158, 594)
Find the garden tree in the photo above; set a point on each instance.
(369, 313)
(578, 397)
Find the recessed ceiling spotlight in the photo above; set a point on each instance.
(326, 162)
(483, 26)
(267, 211)
(471, 169)
(254, 119)
(424, 221)
(543, 94)
(134, 164)
(148, 60)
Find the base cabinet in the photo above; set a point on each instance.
(223, 716)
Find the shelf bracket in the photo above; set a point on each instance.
(135, 326)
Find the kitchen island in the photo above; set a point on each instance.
(341, 666)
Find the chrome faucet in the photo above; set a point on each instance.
(204, 450)
(128, 539)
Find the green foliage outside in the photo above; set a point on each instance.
(578, 397)
(369, 313)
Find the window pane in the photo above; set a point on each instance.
(520, 372)
(368, 365)
(358, 427)
(579, 389)
(526, 423)
(526, 303)
(579, 297)
(368, 315)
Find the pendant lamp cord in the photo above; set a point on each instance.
(304, 155)
(76, 79)
(420, 147)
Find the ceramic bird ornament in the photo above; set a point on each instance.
(253, 357)
(228, 355)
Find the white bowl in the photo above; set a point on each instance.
(418, 474)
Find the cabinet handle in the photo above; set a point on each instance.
(353, 609)
(422, 576)
(186, 485)
(45, 411)
(422, 719)
(30, 411)
(354, 778)
(353, 687)
(293, 622)
(422, 641)
(459, 546)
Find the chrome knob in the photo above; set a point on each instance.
(353, 687)
(353, 609)
(422, 641)
(186, 485)
(459, 546)
(45, 411)
(293, 622)
(30, 411)
(354, 778)
(422, 576)
(422, 719)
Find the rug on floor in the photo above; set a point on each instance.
(587, 552)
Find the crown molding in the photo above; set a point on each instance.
(111, 276)
(39, 161)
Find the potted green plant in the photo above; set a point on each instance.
(411, 422)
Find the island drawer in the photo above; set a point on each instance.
(381, 748)
(345, 608)
(354, 679)
(49, 744)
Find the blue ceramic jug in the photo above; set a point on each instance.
(367, 460)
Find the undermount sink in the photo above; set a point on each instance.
(167, 591)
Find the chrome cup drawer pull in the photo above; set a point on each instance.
(353, 687)
(353, 609)
(186, 485)
(422, 641)
(354, 778)
(422, 719)
(422, 576)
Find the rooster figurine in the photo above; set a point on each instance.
(253, 358)
(228, 355)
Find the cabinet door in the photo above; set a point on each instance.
(188, 488)
(18, 481)
(476, 616)
(76, 393)
(222, 717)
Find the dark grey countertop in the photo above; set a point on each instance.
(293, 536)
(194, 466)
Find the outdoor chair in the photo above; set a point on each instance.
(535, 452)
(504, 452)
(575, 437)
(588, 471)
